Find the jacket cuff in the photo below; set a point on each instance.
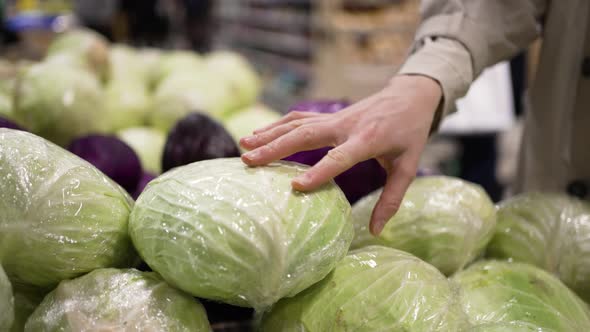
(447, 62)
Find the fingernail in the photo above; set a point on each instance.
(252, 155)
(379, 224)
(248, 139)
(302, 180)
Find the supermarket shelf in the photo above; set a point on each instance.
(280, 43)
(282, 3)
(275, 19)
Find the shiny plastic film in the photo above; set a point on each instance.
(443, 220)
(373, 289)
(6, 302)
(118, 300)
(59, 216)
(549, 230)
(221, 230)
(519, 296)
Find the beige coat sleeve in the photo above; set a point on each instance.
(458, 39)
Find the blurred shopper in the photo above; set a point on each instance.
(456, 41)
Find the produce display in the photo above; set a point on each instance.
(6, 302)
(373, 289)
(520, 295)
(59, 216)
(551, 231)
(445, 221)
(153, 181)
(118, 300)
(221, 230)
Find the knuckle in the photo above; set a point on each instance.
(407, 172)
(391, 204)
(339, 157)
(308, 134)
(297, 114)
(297, 123)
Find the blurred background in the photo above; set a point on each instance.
(300, 50)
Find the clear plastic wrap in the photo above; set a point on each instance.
(6, 302)
(221, 230)
(443, 220)
(373, 289)
(118, 300)
(522, 295)
(549, 230)
(59, 216)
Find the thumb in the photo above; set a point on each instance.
(399, 178)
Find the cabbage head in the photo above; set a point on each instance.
(549, 230)
(443, 220)
(118, 300)
(244, 122)
(59, 102)
(127, 104)
(126, 64)
(221, 230)
(6, 302)
(372, 289)
(176, 62)
(494, 292)
(88, 46)
(148, 143)
(59, 216)
(184, 93)
(240, 75)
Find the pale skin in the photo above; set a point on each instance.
(392, 126)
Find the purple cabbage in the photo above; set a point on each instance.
(5, 123)
(111, 156)
(145, 178)
(197, 137)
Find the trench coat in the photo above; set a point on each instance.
(458, 39)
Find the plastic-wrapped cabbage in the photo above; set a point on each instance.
(26, 300)
(59, 102)
(6, 302)
(150, 59)
(520, 294)
(221, 230)
(244, 122)
(148, 143)
(127, 104)
(126, 64)
(178, 62)
(506, 327)
(372, 289)
(59, 216)
(118, 300)
(87, 45)
(551, 231)
(445, 221)
(239, 74)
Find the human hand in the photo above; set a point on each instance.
(392, 126)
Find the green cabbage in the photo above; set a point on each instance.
(520, 294)
(6, 105)
(445, 221)
(372, 289)
(59, 102)
(6, 302)
(187, 92)
(127, 104)
(177, 62)
(127, 65)
(239, 74)
(221, 230)
(87, 45)
(244, 122)
(59, 216)
(118, 300)
(148, 143)
(26, 300)
(551, 231)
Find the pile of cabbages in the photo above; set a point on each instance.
(124, 207)
(71, 240)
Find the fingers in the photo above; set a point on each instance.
(334, 163)
(399, 179)
(265, 137)
(287, 118)
(307, 137)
